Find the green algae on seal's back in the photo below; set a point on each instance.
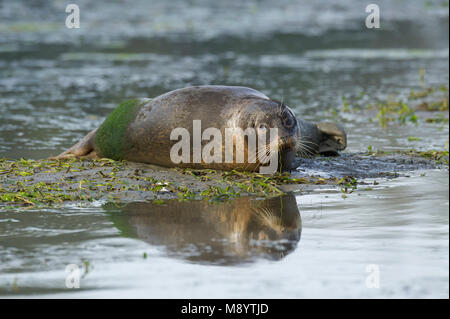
(111, 138)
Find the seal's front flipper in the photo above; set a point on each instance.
(334, 138)
(85, 147)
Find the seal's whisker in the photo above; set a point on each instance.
(307, 142)
(258, 154)
(250, 158)
(303, 153)
(249, 164)
(307, 147)
(281, 105)
(305, 150)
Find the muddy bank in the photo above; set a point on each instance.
(46, 183)
(374, 164)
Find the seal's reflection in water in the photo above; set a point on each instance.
(238, 231)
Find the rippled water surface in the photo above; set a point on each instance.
(57, 84)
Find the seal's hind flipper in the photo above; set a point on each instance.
(85, 147)
(92, 155)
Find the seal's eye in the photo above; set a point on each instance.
(288, 122)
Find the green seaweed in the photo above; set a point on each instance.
(110, 139)
(33, 184)
(398, 108)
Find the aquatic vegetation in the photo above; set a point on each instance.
(15, 286)
(348, 185)
(395, 111)
(87, 267)
(441, 157)
(400, 109)
(440, 118)
(49, 183)
(427, 91)
(62, 184)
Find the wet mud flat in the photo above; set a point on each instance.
(377, 164)
(85, 183)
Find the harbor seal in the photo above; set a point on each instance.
(140, 130)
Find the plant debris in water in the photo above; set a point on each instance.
(428, 105)
(44, 183)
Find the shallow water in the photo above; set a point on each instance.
(57, 84)
(239, 249)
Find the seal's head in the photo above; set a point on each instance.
(264, 115)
